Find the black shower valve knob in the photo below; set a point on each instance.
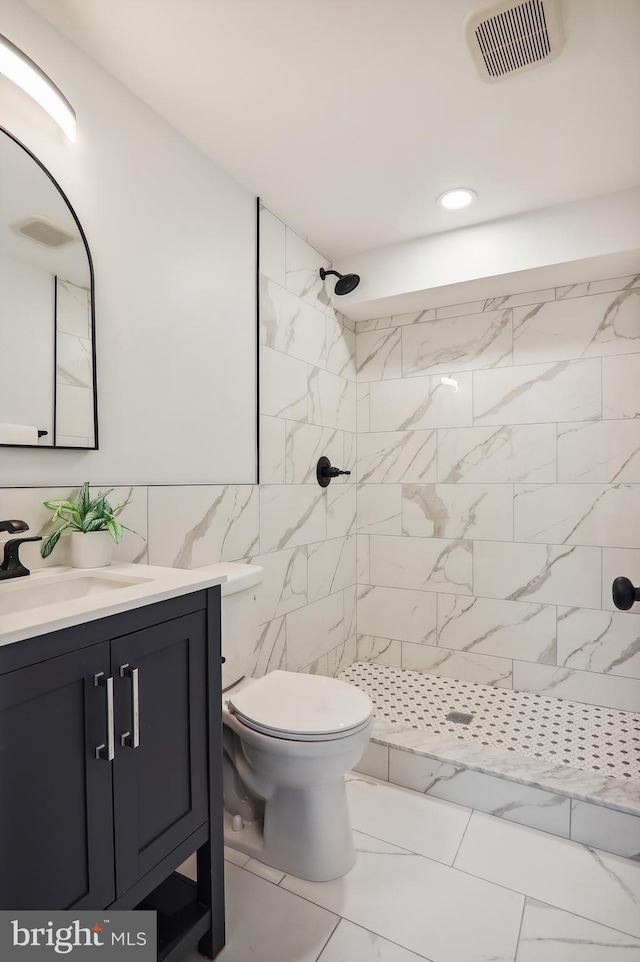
(325, 471)
(624, 594)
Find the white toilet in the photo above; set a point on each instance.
(289, 738)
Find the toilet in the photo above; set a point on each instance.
(288, 738)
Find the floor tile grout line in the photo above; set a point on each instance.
(453, 864)
(524, 908)
(331, 935)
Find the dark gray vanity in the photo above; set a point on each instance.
(110, 756)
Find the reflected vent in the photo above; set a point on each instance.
(507, 38)
(44, 232)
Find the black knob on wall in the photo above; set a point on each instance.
(325, 472)
(624, 594)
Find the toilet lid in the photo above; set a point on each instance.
(292, 704)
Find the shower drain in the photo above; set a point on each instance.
(460, 717)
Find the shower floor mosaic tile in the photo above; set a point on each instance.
(586, 737)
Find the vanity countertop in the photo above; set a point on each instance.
(57, 597)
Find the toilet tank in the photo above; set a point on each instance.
(239, 617)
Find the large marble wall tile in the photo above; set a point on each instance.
(379, 651)
(599, 641)
(74, 411)
(332, 400)
(272, 244)
(27, 505)
(430, 564)
(479, 511)
(74, 361)
(305, 443)
(339, 659)
(509, 453)
(283, 385)
(532, 393)
(331, 566)
(341, 348)
(349, 458)
(550, 935)
(199, 524)
(378, 355)
(270, 652)
(350, 613)
(458, 344)
(284, 584)
(604, 887)
(341, 510)
(362, 407)
(606, 829)
(396, 456)
(598, 287)
(586, 327)
(362, 559)
(421, 402)
(618, 562)
(291, 515)
(483, 669)
(486, 793)
(589, 514)
(599, 451)
(73, 314)
(587, 686)
(620, 379)
(396, 320)
(379, 509)
(272, 450)
(291, 325)
(314, 630)
(495, 303)
(302, 264)
(512, 629)
(374, 762)
(397, 613)
(550, 574)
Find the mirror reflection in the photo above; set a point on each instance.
(47, 386)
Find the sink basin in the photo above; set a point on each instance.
(24, 594)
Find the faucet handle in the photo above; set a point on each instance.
(14, 526)
(11, 566)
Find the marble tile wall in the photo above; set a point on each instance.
(494, 512)
(303, 535)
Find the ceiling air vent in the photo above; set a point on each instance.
(507, 38)
(44, 231)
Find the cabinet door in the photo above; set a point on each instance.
(56, 824)
(160, 787)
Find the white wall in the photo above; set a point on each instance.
(173, 244)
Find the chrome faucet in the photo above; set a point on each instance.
(11, 566)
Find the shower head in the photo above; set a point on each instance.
(345, 283)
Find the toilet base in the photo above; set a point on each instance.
(305, 832)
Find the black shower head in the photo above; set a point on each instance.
(345, 283)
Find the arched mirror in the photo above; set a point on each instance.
(47, 327)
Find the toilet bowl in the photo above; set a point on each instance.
(289, 738)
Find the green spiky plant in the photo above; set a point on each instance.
(84, 514)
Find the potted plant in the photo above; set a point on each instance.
(86, 516)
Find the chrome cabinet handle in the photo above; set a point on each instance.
(106, 750)
(127, 739)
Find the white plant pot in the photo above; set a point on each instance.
(91, 550)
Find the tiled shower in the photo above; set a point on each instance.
(478, 534)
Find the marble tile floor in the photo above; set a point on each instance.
(439, 882)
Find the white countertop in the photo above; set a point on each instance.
(152, 584)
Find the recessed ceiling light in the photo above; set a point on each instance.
(458, 198)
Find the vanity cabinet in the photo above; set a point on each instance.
(110, 761)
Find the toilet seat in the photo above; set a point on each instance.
(301, 707)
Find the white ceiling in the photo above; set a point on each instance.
(349, 117)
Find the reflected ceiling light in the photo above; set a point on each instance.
(20, 69)
(457, 198)
(450, 382)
